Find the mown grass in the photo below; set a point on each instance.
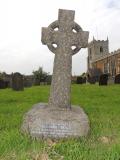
(102, 104)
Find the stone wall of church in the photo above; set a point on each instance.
(110, 64)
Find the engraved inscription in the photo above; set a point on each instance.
(54, 128)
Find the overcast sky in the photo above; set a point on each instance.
(20, 31)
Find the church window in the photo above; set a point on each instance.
(101, 49)
(90, 53)
(105, 67)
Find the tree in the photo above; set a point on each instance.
(39, 76)
(2, 74)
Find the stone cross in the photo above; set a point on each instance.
(65, 38)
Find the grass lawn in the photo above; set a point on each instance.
(102, 104)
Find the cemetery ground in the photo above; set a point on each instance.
(101, 103)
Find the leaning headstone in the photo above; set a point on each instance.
(59, 119)
(17, 82)
(103, 79)
(117, 79)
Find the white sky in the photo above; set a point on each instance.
(20, 31)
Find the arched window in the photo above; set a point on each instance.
(101, 49)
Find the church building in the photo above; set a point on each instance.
(100, 61)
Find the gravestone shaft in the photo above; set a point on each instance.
(64, 38)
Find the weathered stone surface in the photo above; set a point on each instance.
(43, 122)
(66, 34)
(17, 82)
(58, 119)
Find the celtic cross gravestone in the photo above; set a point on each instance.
(65, 38)
(59, 119)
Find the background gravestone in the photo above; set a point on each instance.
(17, 82)
(81, 80)
(84, 79)
(49, 79)
(93, 75)
(27, 82)
(103, 79)
(3, 84)
(91, 80)
(117, 79)
(59, 119)
(111, 80)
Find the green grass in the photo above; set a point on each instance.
(102, 104)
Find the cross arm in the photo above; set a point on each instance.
(45, 35)
(80, 39)
(49, 36)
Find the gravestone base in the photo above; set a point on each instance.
(47, 122)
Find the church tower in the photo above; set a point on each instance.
(97, 49)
